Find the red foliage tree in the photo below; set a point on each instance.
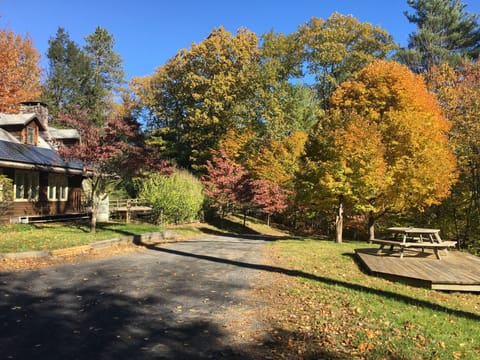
(269, 197)
(230, 186)
(106, 151)
(225, 182)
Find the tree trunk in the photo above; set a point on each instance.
(339, 222)
(371, 227)
(268, 219)
(93, 220)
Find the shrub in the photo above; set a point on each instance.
(177, 198)
(6, 194)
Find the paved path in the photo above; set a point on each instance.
(170, 302)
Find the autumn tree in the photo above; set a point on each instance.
(281, 56)
(338, 47)
(284, 108)
(391, 152)
(201, 93)
(278, 160)
(343, 168)
(19, 71)
(240, 144)
(106, 151)
(224, 182)
(272, 167)
(445, 33)
(458, 90)
(269, 197)
(230, 187)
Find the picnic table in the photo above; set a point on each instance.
(413, 237)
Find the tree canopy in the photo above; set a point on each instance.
(19, 71)
(385, 147)
(445, 33)
(316, 116)
(68, 75)
(458, 89)
(338, 47)
(107, 151)
(201, 93)
(84, 78)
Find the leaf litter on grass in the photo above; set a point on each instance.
(317, 319)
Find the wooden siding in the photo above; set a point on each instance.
(42, 206)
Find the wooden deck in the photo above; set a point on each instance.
(456, 272)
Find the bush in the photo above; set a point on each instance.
(177, 198)
(6, 194)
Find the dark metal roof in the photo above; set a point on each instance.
(33, 155)
(8, 120)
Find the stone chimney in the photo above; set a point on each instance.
(38, 108)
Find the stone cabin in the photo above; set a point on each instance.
(44, 185)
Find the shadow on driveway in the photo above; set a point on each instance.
(169, 302)
(325, 280)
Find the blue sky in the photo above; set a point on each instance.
(148, 32)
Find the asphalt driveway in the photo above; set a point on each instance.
(168, 302)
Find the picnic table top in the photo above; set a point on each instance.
(413, 230)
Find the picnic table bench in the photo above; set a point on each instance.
(416, 238)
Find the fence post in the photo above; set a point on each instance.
(127, 211)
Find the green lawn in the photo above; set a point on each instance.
(51, 236)
(331, 308)
(324, 306)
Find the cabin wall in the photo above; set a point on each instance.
(42, 206)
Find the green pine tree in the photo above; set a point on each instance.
(445, 33)
(88, 78)
(108, 74)
(68, 75)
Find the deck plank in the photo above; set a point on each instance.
(456, 271)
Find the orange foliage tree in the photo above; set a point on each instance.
(391, 153)
(459, 93)
(19, 71)
(277, 160)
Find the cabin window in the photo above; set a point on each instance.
(26, 185)
(57, 187)
(31, 136)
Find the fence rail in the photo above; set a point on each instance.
(123, 204)
(129, 207)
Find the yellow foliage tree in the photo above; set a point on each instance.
(201, 93)
(459, 93)
(340, 46)
(278, 160)
(238, 142)
(391, 153)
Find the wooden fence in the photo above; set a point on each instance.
(129, 207)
